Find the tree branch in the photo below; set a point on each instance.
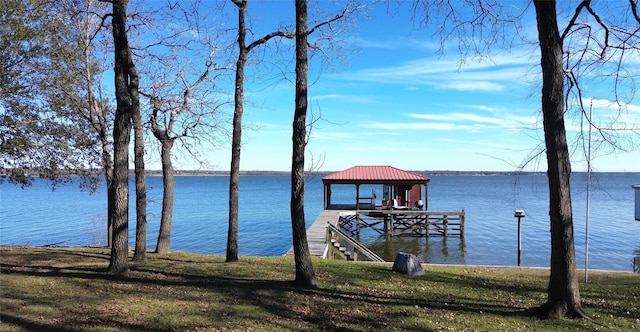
(634, 9)
(337, 17)
(572, 22)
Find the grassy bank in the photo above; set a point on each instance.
(66, 289)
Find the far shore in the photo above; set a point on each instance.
(98, 172)
(324, 173)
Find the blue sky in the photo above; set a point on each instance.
(394, 100)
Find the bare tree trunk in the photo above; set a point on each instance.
(305, 276)
(107, 167)
(97, 116)
(236, 141)
(563, 296)
(164, 236)
(119, 263)
(141, 191)
(108, 175)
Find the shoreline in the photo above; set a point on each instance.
(324, 173)
(54, 246)
(97, 172)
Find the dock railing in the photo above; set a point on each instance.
(404, 222)
(342, 246)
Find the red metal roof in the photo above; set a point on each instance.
(374, 173)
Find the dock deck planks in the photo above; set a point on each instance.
(317, 232)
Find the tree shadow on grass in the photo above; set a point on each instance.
(251, 298)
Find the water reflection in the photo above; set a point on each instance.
(435, 250)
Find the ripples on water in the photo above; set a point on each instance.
(38, 216)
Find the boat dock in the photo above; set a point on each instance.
(403, 211)
(384, 222)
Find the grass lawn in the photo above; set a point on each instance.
(66, 289)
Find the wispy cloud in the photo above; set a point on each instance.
(418, 126)
(462, 122)
(472, 86)
(361, 99)
(397, 43)
(458, 117)
(488, 145)
(612, 105)
(442, 74)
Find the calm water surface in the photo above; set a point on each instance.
(70, 217)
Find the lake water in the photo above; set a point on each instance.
(70, 217)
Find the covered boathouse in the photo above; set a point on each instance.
(399, 188)
(399, 209)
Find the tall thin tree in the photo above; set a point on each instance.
(123, 65)
(236, 140)
(140, 251)
(305, 275)
(563, 296)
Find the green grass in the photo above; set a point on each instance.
(66, 289)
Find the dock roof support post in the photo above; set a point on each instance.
(426, 196)
(327, 196)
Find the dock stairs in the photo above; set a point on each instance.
(342, 246)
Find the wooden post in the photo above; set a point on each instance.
(519, 214)
(519, 241)
(427, 224)
(387, 224)
(445, 224)
(426, 196)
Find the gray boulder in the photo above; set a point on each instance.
(407, 264)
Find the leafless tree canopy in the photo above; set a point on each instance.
(583, 50)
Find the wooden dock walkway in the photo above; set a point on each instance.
(317, 233)
(385, 222)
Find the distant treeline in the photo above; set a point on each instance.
(323, 173)
(98, 172)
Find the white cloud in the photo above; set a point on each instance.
(609, 104)
(418, 126)
(361, 99)
(472, 86)
(458, 117)
(492, 76)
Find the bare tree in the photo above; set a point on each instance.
(167, 127)
(587, 42)
(305, 276)
(561, 77)
(124, 75)
(243, 56)
(178, 61)
(236, 142)
(563, 295)
(140, 250)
